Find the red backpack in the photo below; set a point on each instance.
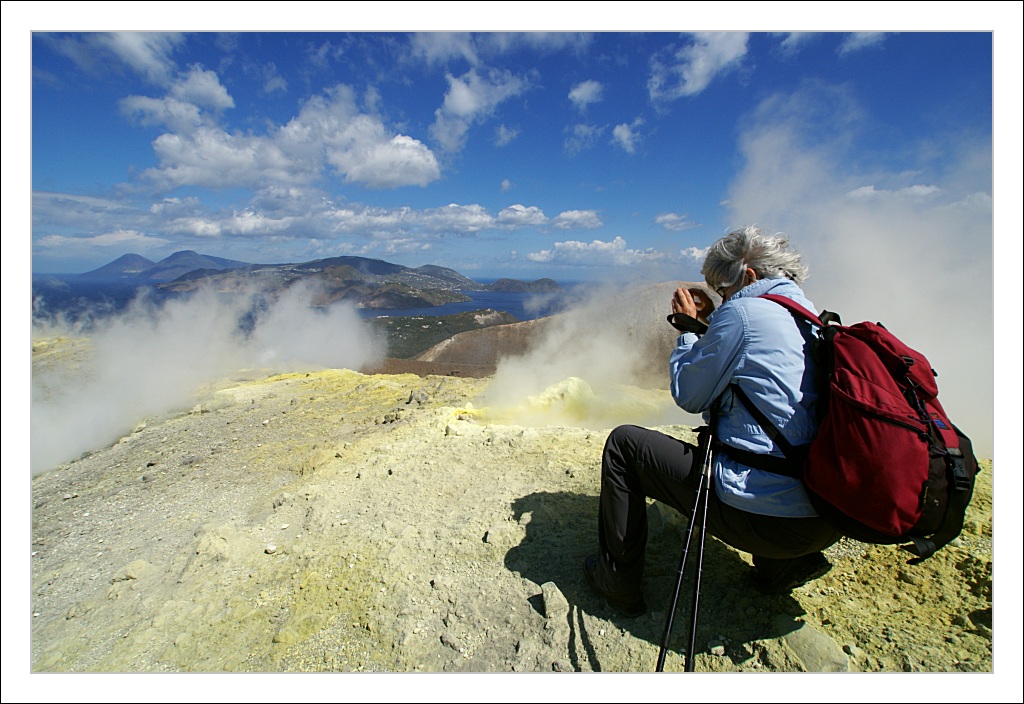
(886, 466)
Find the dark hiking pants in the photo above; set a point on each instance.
(639, 463)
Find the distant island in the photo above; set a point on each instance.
(516, 286)
(367, 283)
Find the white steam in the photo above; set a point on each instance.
(912, 250)
(601, 363)
(153, 358)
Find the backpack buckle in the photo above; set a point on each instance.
(955, 462)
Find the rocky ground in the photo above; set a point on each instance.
(345, 522)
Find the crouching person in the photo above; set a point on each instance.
(760, 347)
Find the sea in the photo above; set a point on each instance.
(77, 300)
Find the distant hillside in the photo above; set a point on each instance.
(378, 271)
(331, 281)
(445, 274)
(409, 336)
(369, 283)
(364, 265)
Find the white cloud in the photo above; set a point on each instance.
(406, 246)
(328, 129)
(506, 185)
(497, 43)
(522, 216)
(674, 222)
(462, 219)
(695, 254)
(475, 47)
(50, 204)
(69, 221)
(439, 47)
(860, 40)
(585, 93)
(272, 80)
(148, 54)
(504, 135)
(915, 191)
(595, 253)
(793, 42)
(76, 246)
(374, 162)
(196, 227)
(571, 219)
(250, 222)
(581, 137)
(359, 146)
(203, 89)
(171, 206)
(169, 112)
(182, 109)
(321, 55)
(688, 71)
(626, 135)
(372, 221)
(471, 98)
(211, 157)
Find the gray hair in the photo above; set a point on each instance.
(768, 255)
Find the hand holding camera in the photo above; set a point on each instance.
(690, 308)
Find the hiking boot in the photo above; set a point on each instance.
(629, 605)
(773, 576)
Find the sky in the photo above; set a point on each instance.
(890, 157)
(569, 155)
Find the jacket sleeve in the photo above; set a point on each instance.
(701, 368)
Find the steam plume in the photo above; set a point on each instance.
(613, 344)
(152, 358)
(913, 254)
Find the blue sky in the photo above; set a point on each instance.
(571, 155)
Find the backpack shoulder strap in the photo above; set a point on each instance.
(794, 308)
(791, 465)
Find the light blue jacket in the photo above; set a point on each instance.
(760, 346)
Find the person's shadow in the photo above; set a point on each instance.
(561, 530)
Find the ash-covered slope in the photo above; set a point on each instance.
(334, 521)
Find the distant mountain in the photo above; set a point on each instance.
(369, 283)
(133, 266)
(181, 263)
(127, 266)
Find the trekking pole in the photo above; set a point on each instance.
(691, 650)
(702, 499)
